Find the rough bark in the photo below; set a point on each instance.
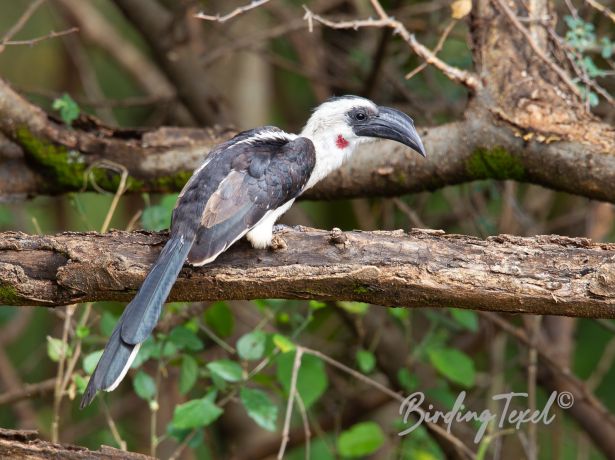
(26, 445)
(541, 275)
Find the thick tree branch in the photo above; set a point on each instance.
(26, 445)
(541, 275)
(55, 157)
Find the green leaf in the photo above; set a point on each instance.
(188, 374)
(56, 349)
(107, 323)
(184, 338)
(407, 380)
(259, 408)
(316, 305)
(195, 413)
(226, 369)
(356, 308)
(311, 380)
(163, 349)
(220, 318)
(252, 345)
(607, 47)
(82, 332)
(283, 343)
(158, 217)
(366, 361)
(91, 360)
(453, 364)
(361, 439)
(400, 313)
(465, 318)
(68, 108)
(144, 385)
(80, 383)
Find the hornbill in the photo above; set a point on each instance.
(241, 189)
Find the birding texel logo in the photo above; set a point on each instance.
(411, 408)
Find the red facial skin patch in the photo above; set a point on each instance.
(341, 142)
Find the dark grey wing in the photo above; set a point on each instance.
(238, 187)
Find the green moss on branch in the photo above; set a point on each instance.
(8, 295)
(496, 163)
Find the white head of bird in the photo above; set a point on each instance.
(340, 124)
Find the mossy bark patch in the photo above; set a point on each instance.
(62, 167)
(496, 163)
(8, 295)
(65, 170)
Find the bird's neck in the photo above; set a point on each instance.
(332, 150)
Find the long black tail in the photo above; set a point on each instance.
(139, 319)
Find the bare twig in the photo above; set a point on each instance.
(396, 396)
(464, 77)
(112, 426)
(532, 369)
(604, 365)
(58, 390)
(436, 50)
(232, 14)
(410, 213)
(306, 426)
(603, 9)
(292, 394)
(36, 40)
(20, 22)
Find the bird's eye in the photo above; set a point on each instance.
(360, 116)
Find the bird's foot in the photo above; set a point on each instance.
(278, 243)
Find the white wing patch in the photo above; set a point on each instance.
(269, 135)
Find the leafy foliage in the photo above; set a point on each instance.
(360, 440)
(259, 407)
(581, 36)
(312, 379)
(68, 108)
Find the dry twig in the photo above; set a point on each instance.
(232, 14)
(464, 77)
(603, 9)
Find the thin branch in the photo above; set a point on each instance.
(236, 12)
(112, 426)
(396, 396)
(21, 22)
(436, 50)
(464, 77)
(292, 394)
(603, 9)
(34, 41)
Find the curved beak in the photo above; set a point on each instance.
(395, 125)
